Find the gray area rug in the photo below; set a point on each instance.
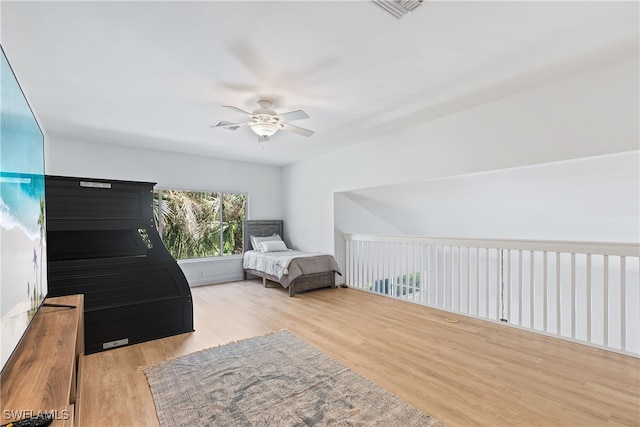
(272, 380)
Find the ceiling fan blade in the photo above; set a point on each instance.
(238, 87)
(253, 60)
(293, 115)
(237, 109)
(296, 129)
(263, 138)
(227, 125)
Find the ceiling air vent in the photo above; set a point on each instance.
(397, 8)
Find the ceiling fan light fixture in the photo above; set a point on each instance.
(264, 129)
(265, 122)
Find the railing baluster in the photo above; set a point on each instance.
(399, 260)
(460, 278)
(520, 291)
(384, 267)
(420, 282)
(374, 265)
(396, 269)
(589, 299)
(410, 267)
(424, 278)
(405, 272)
(440, 296)
(389, 262)
(404, 253)
(545, 283)
(499, 283)
(367, 263)
(429, 272)
(451, 286)
(375, 254)
(417, 273)
(451, 278)
(434, 268)
(373, 251)
(446, 289)
(370, 260)
(605, 302)
(455, 281)
(354, 251)
(531, 289)
(486, 284)
(354, 261)
(419, 261)
(382, 255)
(433, 280)
(574, 315)
(376, 268)
(392, 266)
(406, 269)
(400, 267)
(418, 267)
(347, 262)
(508, 299)
(398, 287)
(363, 264)
(372, 268)
(436, 275)
(380, 266)
(478, 282)
(558, 298)
(623, 303)
(469, 279)
(445, 277)
(359, 265)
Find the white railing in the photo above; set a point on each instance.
(579, 291)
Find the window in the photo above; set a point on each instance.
(200, 224)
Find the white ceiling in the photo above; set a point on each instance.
(155, 74)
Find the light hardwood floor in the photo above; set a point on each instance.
(467, 373)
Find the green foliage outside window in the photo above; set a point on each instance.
(199, 224)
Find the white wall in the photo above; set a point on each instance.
(353, 217)
(170, 170)
(590, 114)
(589, 199)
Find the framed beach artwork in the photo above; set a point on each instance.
(23, 266)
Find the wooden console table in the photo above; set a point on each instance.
(43, 372)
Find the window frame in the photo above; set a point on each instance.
(221, 255)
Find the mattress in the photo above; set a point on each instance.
(286, 266)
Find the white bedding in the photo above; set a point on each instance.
(273, 263)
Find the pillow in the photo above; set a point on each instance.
(273, 246)
(256, 240)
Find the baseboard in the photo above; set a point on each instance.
(213, 280)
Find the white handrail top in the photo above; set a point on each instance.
(594, 248)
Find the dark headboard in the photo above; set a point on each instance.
(260, 228)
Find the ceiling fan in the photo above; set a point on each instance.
(265, 122)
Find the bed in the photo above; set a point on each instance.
(294, 270)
